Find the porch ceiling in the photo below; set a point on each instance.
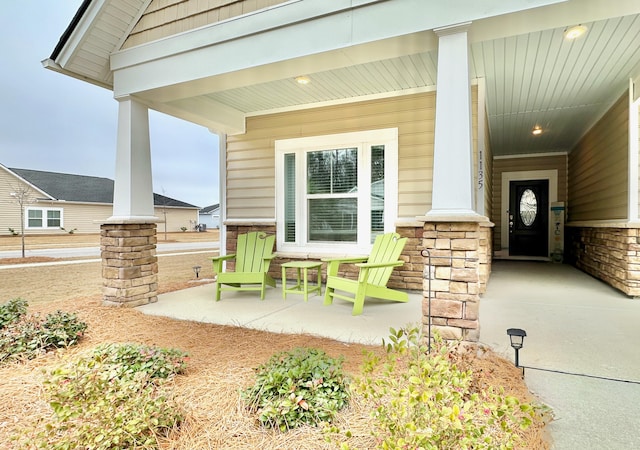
(532, 75)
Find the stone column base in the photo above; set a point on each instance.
(129, 264)
(454, 277)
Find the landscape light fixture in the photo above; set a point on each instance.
(517, 337)
(196, 269)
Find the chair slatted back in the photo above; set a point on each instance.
(386, 248)
(252, 248)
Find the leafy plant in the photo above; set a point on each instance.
(26, 336)
(115, 397)
(424, 401)
(12, 311)
(302, 386)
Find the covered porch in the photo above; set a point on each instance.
(579, 351)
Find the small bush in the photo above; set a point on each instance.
(27, 336)
(116, 397)
(303, 386)
(424, 401)
(12, 311)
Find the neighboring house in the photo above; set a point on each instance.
(59, 203)
(210, 216)
(478, 127)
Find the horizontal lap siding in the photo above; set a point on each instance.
(502, 165)
(168, 17)
(489, 187)
(598, 168)
(250, 157)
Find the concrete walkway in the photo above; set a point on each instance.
(583, 337)
(576, 325)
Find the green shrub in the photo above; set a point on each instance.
(29, 336)
(12, 311)
(116, 397)
(424, 401)
(303, 386)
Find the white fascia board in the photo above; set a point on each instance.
(292, 30)
(80, 32)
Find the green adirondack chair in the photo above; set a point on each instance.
(375, 271)
(253, 257)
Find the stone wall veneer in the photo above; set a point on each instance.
(454, 276)
(608, 253)
(129, 264)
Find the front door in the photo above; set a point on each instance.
(529, 218)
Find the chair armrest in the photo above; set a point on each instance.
(270, 257)
(222, 258)
(384, 264)
(333, 264)
(218, 260)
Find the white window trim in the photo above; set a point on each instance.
(387, 137)
(44, 218)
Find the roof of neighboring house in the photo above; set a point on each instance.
(82, 188)
(210, 209)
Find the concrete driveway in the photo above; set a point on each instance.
(582, 349)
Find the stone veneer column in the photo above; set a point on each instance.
(129, 264)
(458, 273)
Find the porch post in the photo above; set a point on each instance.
(128, 238)
(457, 238)
(133, 189)
(452, 160)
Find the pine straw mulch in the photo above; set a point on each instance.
(221, 363)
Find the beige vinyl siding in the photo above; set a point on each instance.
(9, 209)
(168, 17)
(638, 107)
(250, 157)
(522, 164)
(598, 168)
(176, 218)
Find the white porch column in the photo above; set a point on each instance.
(453, 192)
(133, 189)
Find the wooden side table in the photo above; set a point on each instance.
(302, 285)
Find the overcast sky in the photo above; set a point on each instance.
(53, 122)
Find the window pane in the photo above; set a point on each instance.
(53, 219)
(290, 197)
(332, 171)
(377, 191)
(333, 219)
(35, 218)
(528, 207)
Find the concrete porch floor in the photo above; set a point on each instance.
(293, 315)
(581, 351)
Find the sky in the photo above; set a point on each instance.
(55, 123)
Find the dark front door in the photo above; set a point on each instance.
(529, 218)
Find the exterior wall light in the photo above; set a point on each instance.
(517, 338)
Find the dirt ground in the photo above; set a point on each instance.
(221, 361)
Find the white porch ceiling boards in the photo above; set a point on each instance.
(532, 75)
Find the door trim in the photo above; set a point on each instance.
(507, 177)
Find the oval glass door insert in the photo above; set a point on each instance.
(528, 207)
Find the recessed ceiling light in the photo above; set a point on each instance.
(575, 32)
(303, 79)
(537, 130)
